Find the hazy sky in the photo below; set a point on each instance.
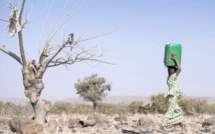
(136, 47)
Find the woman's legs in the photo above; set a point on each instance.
(174, 114)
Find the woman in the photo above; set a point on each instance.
(174, 114)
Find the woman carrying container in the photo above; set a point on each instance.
(174, 114)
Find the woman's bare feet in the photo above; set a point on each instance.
(162, 130)
(182, 127)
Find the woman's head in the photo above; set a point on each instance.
(171, 70)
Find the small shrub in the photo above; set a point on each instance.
(135, 107)
(10, 109)
(61, 107)
(106, 108)
(145, 109)
(159, 104)
(84, 109)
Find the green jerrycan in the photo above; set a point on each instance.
(169, 49)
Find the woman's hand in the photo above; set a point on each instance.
(173, 56)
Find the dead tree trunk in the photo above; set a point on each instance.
(41, 108)
(32, 80)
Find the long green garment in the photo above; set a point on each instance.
(174, 114)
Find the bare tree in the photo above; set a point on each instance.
(33, 71)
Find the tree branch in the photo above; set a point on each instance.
(13, 55)
(81, 55)
(21, 11)
(41, 34)
(21, 45)
(57, 63)
(57, 52)
(4, 20)
(84, 55)
(93, 37)
(3, 3)
(59, 24)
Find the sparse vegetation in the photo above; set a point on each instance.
(9, 109)
(61, 107)
(108, 109)
(197, 105)
(134, 107)
(158, 105)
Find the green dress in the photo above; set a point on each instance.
(174, 114)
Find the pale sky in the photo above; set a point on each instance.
(136, 47)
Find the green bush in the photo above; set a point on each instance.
(202, 106)
(211, 109)
(198, 105)
(134, 106)
(146, 109)
(159, 104)
(187, 104)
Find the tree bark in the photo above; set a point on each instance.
(94, 106)
(32, 80)
(41, 108)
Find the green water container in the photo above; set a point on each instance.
(169, 49)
